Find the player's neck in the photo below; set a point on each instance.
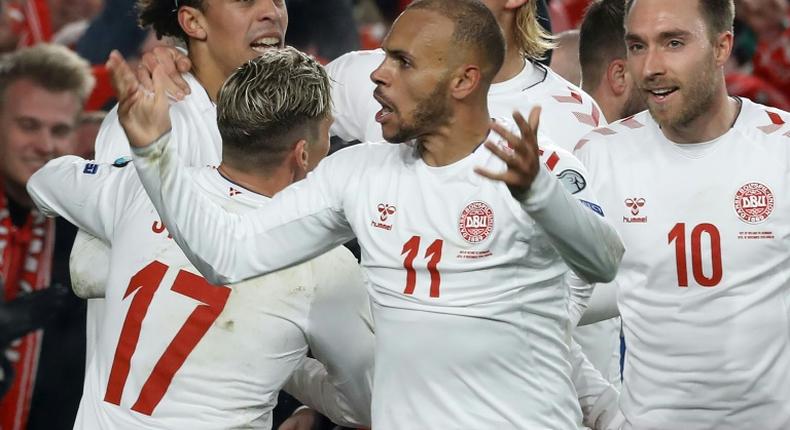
(607, 101)
(253, 181)
(455, 140)
(208, 72)
(514, 62)
(719, 119)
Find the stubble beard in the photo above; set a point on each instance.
(430, 113)
(699, 96)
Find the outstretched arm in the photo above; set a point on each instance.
(301, 222)
(576, 227)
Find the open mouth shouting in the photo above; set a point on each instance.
(264, 43)
(386, 108)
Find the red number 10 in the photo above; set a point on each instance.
(434, 253)
(678, 235)
(144, 284)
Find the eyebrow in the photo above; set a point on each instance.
(398, 53)
(664, 35)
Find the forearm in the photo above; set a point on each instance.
(597, 397)
(226, 247)
(602, 304)
(310, 384)
(586, 241)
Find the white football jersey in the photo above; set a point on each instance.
(568, 113)
(195, 114)
(704, 288)
(469, 303)
(177, 352)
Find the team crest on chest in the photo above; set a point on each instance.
(753, 202)
(476, 222)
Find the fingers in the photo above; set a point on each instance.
(160, 79)
(174, 63)
(123, 79)
(144, 78)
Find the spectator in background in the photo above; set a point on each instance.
(770, 20)
(324, 28)
(603, 64)
(769, 80)
(87, 130)
(565, 57)
(42, 90)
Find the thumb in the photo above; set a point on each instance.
(122, 78)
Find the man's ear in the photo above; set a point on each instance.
(300, 154)
(191, 21)
(466, 81)
(515, 4)
(616, 77)
(722, 47)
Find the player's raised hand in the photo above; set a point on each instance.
(143, 114)
(173, 62)
(523, 161)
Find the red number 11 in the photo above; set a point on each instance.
(144, 284)
(434, 253)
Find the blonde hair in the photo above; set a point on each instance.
(532, 39)
(271, 102)
(53, 67)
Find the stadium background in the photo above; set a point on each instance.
(759, 70)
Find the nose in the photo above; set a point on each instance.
(653, 64)
(380, 76)
(272, 10)
(43, 143)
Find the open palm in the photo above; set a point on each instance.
(143, 114)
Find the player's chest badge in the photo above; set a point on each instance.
(476, 222)
(754, 203)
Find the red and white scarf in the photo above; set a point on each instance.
(25, 266)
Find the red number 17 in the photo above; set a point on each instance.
(144, 284)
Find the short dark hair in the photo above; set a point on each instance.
(270, 103)
(718, 14)
(475, 28)
(601, 40)
(162, 16)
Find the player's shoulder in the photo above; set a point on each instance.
(626, 132)
(762, 122)
(196, 101)
(561, 92)
(368, 152)
(356, 62)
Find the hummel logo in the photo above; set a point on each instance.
(232, 192)
(385, 210)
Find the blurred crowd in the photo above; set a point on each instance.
(759, 70)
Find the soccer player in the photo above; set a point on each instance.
(220, 36)
(605, 75)
(568, 113)
(522, 83)
(700, 181)
(466, 273)
(178, 352)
